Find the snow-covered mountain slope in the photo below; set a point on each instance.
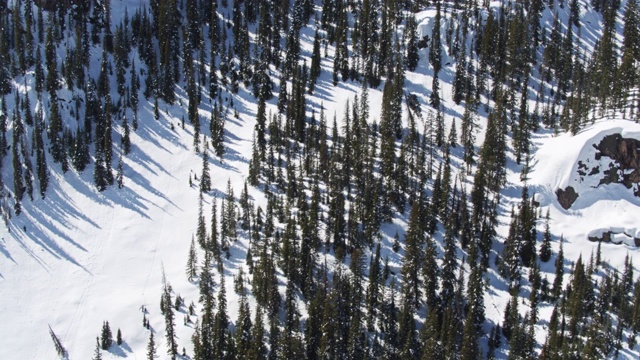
(599, 207)
(80, 257)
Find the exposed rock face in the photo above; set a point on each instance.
(611, 236)
(567, 197)
(625, 153)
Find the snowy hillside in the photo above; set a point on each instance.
(599, 207)
(79, 256)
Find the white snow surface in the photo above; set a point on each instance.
(80, 257)
(598, 209)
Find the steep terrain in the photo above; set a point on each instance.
(79, 256)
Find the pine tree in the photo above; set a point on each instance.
(217, 130)
(106, 338)
(169, 318)
(205, 177)
(39, 70)
(41, 161)
(257, 349)
(460, 80)
(243, 329)
(201, 231)
(453, 135)
(5, 72)
(18, 185)
(413, 258)
(435, 59)
(52, 84)
(120, 173)
(126, 139)
(557, 281)
(545, 247)
(449, 267)
(151, 347)
(412, 44)
(470, 349)
(220, 332)
(55, 130)
(119, 337)
(192, 261)
(315, 69)
(97, 355)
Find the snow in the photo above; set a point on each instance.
(80, 257)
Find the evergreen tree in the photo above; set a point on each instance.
(216, 128)
(243, 329)
(106, 338)
(192, 261)
(41, 161)
(126, 139)
(52, 84)
(221, 323)
(151, 347)
(435, 59)
(412, 44)
(120, 173)
(414, 255)
(545, 247)
(315, 69)
(18, 184)
(470, 349)
(257, 349)
(99, 173)
(169, 318)
(205, 177)
(558, 279)
(97, 355)
(5, 72)
(55, 130)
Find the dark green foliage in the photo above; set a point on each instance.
(5, 74)
(559, 274)
(151, 347)
(18, 181)
(412, 44)
(221, 338)
(216, 128)
(169, 318)
(97, 355)
(120, 173)
(192, 261)
(126, 137)
(545, 247)
(205, 177)
(257, 349)
(106, 337)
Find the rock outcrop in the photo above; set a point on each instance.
(622, 167)
(625, 153)
(567, 197)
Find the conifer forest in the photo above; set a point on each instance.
(320, 179)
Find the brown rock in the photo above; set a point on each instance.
(566, 197)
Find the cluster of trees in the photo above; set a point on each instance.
(330, 188)
(105, 340)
